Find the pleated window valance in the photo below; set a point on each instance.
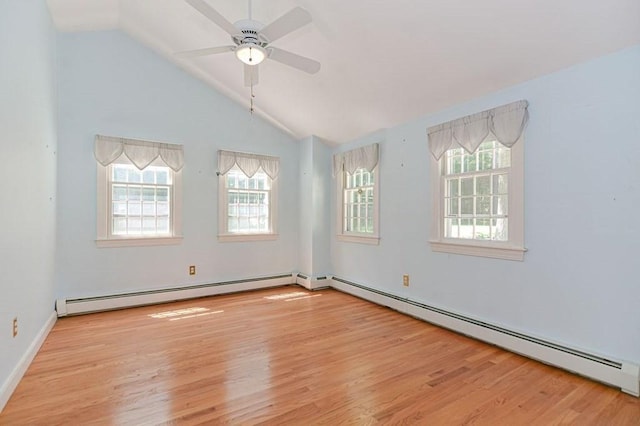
(365, 157)
(248, 163)
(506, 123)
(108, 149)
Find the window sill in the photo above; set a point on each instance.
(360, 239)
(138, 242)
(495, 252)
(232, 238)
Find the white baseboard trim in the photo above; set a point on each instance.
(66, 307)
(311, 283)
(25, 361)
(622, 374)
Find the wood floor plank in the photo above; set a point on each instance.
(289, 356)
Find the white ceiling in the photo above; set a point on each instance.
(384, 62)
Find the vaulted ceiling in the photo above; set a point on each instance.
(384, 62)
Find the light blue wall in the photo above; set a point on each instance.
(314, 208)
(109, 84)
(322, 167)
(578, 284)
(27, 176)
(305, 207)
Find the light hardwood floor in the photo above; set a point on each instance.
(288, 356)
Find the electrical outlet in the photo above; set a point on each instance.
(15, 326)
(192, 270)
(405, 280)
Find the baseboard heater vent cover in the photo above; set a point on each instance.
(624, 375)
(66, 307)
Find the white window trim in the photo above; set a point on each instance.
(227, 237)
(510, 250)
(103, 239)
(357, 237)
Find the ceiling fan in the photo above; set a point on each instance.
(252, 40)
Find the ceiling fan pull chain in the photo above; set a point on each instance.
(252, 96)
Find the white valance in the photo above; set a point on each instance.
(506, 123)
(365, 157)
(248, 163)
(108, 149)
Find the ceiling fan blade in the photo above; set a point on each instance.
(250, 75)
(204, 52)
(296, 61)
(285, 24)
(208, 11)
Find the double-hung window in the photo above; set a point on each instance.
(247, 196)
(356, 173)
(138, 192)
(477, 184)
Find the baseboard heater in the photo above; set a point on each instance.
(66, 307)
(311, 283)
(622, 374)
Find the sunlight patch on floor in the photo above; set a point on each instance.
(296, 295)
(287, 295)
(185, 313)
(303, 297)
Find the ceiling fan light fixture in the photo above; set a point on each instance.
(251, 54)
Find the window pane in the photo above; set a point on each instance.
(134, 225)
(467, 206)
(486, 160)
(503, 159)
(120, 208)
(119, 193)
(483, 185)
(163, 209)
(466, 185)
(162, 177)
(453, 187)
(242, 181)
(119, 225)
(134, 209)
(453, 205)
(483, 205)
(466, 229)
(135, 193)
(149, 209)
(148, 194)
(119, 173)
(499, 230)
(452, 228)
(470, 163)
(163, 225)
(134, 175)
(482, 230)
(500, 205)
(500, 184)
(148, 176)
(456, 164)
(149, 225)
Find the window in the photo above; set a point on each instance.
(140, 200)
(478, 186)
(357, 189)
(136, 206)
(247, 203)
(475, 193)
(247, 198)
